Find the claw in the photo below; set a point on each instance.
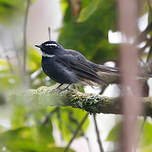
(60, 90)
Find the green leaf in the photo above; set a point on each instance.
(58, 149)
(8, 79)
(33, 59)
(45, 133)
(147, 135)
(68, 119)
(89, 10)
(10, 10)
(114, 134)
(18, 119)
(90, 37)
(145, 7)
(146, 149)
(1, 129)
(64, 5)
(149, 17)
(145, 142)
(28, 139)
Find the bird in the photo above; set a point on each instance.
(67, 66)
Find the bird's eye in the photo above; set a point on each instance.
(51, 45)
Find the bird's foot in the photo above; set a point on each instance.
(58, 87)
(63, 89)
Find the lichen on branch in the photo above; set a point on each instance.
(49, 96)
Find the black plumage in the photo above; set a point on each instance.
(69, 66)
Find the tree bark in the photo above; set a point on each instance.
(49, 96)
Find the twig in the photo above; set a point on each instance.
(9, 64)
(49, 32)
(72, 119)
(76, 132)
(141, 129)
(97, 133)
(17, 55)
(88, 142)
(35, 74)
(24, 35)
(75, 6)
(149, 54)
(142, 36)
(48, 116)
(149, 3)
(19, 63)
(141, 50)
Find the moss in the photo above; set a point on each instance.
(46, 96)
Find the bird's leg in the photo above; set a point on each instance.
(58, 87)
(65, 88)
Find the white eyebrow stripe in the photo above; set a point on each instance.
(51, 44)
(47, 55)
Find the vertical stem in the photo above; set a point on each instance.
(149, 5)
(76, 132)
(75, 6)
(25, 36)
(148, 55)
(88, 142)
(128, 12)
(9, 64)
(97, 133)
(49, 32)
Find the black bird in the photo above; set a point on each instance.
(69, 66)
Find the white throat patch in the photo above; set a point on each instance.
(47, 55)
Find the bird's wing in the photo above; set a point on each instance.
(81, 69)
(96, 67)
(76, 54)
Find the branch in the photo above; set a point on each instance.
(142, 35)
(75, 6)
(49, 96)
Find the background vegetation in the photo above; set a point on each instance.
(85, 28)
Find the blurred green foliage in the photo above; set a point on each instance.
(114, 134)
(11, 10)
(33, 60)
(8, 79)
(88, 31)
(31, 127)
(145, 144)
(67, 120)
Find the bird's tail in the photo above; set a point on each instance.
(104, 68)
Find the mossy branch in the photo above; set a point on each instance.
(49, 96)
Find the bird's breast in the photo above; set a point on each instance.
(57, 71)
(48, 65)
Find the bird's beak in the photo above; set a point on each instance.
(39, 46)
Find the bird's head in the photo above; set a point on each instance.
(49, 47)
